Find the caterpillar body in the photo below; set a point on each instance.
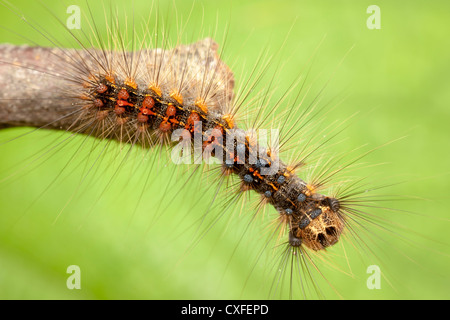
(183, 102)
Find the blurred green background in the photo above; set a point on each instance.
(396, 78)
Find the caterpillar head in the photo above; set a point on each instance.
(319, 227)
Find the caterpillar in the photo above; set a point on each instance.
(139, 99)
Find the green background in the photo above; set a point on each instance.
(395, 79)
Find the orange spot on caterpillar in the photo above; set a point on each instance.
(123, 103)
(171, 110)
(98, 103)
(229, 120)
(193, 117)
(175, 94)
(155, 88)
(165, 126)
(131, 83)
(255, 173)
(118, 110)
(310, 189)
(148, 102)
(123, 94)
(110, 79)
(273, 186)
(146, 111)
(142, 118)
(200, 103)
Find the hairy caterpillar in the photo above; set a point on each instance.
(97, 214)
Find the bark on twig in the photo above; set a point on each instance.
(26, 95)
